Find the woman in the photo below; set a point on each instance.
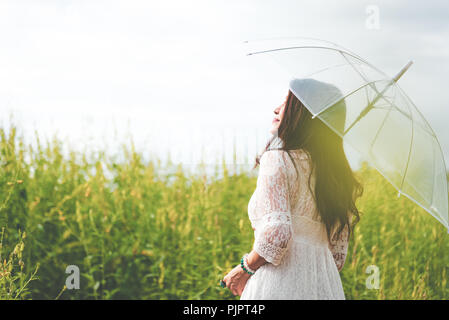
(303, 209)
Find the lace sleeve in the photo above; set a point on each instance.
(339, 247)
(275, 228)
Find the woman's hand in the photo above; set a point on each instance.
(236, 280)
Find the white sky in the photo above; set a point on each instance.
(173, 73)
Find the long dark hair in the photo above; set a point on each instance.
(336, 187)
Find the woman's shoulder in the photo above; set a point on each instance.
(273, 163)
(277, 160)
(273, 156)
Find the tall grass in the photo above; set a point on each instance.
(145, 230)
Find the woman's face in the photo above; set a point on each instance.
(278, 115)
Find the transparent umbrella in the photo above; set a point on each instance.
(381, 122)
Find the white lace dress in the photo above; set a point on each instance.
(290, 235)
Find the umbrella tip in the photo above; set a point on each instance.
(403, 70)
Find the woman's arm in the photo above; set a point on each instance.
(255, 261)
(236, 279)
(275, 228)
(275, 231)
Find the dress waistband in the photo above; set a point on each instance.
(309, 231)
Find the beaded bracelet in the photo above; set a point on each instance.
(244, 265)
(245, 260)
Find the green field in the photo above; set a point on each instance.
(138, 233)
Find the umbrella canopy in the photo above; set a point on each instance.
(379, 119)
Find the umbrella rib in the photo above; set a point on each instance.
(409, 151)
(375, 100)
(343, 97)
(327, 68)
(384, 120)
(371, 106)
(380, 128)
(378, 96)
(336, 66)
(368, 107)
(367, 96)
(309, 38)
(433, 182)
(427, 126)
(365, 85)
(319, 47)
(362, 76)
